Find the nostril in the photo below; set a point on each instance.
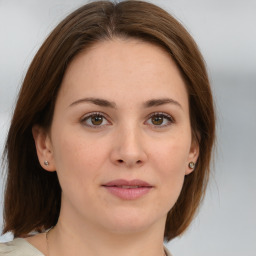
(129, 162)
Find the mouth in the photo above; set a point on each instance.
(128, 186)
(128, 190)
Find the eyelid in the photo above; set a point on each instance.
(170, 119)
(88, 115)
(161, 113)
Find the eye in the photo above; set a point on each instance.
(95, 120)
(160, 120)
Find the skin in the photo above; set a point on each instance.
(130, 143)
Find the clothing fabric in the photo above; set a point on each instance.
(20, 247)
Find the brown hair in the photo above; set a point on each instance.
(32, 195)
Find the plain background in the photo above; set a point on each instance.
(225, 32)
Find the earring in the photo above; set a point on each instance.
(46, 163)
(191, 165)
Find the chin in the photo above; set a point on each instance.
(134, 223)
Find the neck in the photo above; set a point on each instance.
(87, 240)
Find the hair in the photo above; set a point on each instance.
(33, 195)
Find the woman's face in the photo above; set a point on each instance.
(120, 139)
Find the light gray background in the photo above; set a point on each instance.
(225, 33)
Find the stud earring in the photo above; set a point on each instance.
(46, 163)
(191, 165)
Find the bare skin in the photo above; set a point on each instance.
(139, 129)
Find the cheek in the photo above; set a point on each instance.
(170, 161)
(172, 156)
(78, 166)
(77, 159)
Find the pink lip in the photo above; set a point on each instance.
(120, 182)
(128, 190)
(138, 188)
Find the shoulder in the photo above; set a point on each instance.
(18, 247)
(167, 252)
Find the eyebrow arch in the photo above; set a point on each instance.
(106, 103)
(159, 102)
(96, 101)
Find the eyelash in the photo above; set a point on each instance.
(165, 116)
(169, 118)
(94, 114)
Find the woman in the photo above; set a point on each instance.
(110, 143)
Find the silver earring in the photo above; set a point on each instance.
(191, 165)
(46, 163)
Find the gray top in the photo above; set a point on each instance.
(20, 247)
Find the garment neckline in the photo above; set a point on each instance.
(28, 245)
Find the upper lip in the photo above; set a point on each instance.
(122, 182)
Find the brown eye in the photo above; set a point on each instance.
(160, 120)
(157, 120)
(96, 120)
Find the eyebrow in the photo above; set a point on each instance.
(96, 101)
(106, 103)
(159, 102)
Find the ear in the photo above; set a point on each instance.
(193, 155)
(43, 148)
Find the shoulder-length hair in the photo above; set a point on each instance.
(32, 195)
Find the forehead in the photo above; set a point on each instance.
(121, 67)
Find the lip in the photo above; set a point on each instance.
(128, 189)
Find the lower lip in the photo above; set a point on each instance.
(128, 193)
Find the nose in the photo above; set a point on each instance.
(128, 149)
